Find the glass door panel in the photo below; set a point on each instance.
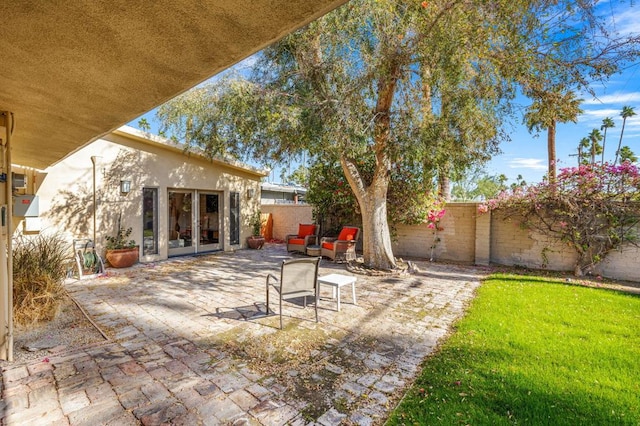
(209, 217)
(180, 223)
(150, 218)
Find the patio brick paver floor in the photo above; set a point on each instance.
(191, 345)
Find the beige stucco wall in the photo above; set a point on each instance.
(65, 190)
(286, 217)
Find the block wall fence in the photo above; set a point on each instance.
(286, 217)
(481, 239)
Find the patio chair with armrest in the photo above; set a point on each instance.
(298, 278)
(343, 247)
(307, 235)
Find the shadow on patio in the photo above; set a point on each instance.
(195, 329)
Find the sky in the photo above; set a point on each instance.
(526, 154)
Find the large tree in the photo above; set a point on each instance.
(419, 86)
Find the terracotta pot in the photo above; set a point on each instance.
(122, 258)
(255, 242)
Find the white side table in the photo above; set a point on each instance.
(336, 281)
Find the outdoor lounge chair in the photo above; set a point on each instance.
(298, 278)
(343, 247)
(307, 235)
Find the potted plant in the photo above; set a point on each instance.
(121, 252)
(256, 240)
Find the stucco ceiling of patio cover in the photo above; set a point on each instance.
(72, 71)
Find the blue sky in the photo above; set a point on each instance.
(526, 154)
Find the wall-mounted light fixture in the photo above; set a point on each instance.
(250, 192)
(125, 186)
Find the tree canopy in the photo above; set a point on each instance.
(388, 88)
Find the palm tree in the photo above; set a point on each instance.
(627, 112)
(607, 123)
(584, 143)
(627, 155)
(548, 108)
(595, 137)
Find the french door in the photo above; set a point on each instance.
(181, 222)
(209, 220)
(195, 221)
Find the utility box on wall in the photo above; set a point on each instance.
(26, 206)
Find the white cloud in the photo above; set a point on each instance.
(626, 23)
(599, 114)
(621, 98)
(528, 163)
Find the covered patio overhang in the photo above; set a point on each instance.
(71, 72)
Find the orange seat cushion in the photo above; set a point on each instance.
(348, 234)
(299, 241)
(304, 230)
(328, 246)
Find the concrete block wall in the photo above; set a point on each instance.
(512, 245)
(481, 239)
(287, 217)
(457, 238)
(623, 265)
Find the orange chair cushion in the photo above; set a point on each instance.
(347, 234)
(299, 241)
(328, 246)
(304, 230)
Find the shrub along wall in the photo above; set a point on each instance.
(490, 238)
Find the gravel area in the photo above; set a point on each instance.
(69, 330)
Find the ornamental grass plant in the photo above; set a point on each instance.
(534, 351)
(39, 268)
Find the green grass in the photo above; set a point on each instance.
(534, 351)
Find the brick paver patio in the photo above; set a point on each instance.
(192, 345)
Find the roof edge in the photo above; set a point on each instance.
(162, 142)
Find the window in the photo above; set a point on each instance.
(234, 218)
(150, 220)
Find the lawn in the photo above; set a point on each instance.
(534, 351)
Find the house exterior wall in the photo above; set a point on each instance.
(65, 190)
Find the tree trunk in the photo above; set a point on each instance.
(624, 120)
(372, 198)
(377, 251)
(551, 149)
(444, 182)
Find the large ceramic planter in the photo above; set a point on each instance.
(122, 258)
(255, 242)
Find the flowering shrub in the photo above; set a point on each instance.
(593, 208)
(433, 222)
